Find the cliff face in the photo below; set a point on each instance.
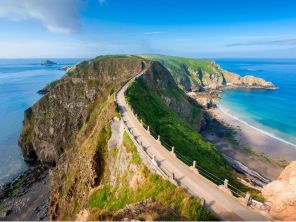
(281, 194)
(51, 124)
(160, 81)
(246, 81)
(194, 75)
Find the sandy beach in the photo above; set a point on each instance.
(269, 150)
(258, 140)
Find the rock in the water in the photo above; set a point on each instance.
(281, 193)
(43, 91)
(117, 133)
(66, 68)
(48, 63)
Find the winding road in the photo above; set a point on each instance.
(224, 205)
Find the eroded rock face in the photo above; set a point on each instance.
(117, 129)
(51, 124)
(247, 81)
(281, 193)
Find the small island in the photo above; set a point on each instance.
(48, 63)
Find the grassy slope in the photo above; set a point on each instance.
(176, 132)
(172, 61)
(176, 67)
(111, 199)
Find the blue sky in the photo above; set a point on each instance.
(194, 28)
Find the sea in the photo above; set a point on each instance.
(20, 79)
(272, 112)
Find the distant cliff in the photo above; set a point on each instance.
(193, 75)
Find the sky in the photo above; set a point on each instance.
(193, 28)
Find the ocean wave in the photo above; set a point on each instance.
(255, 128)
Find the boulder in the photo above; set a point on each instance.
(281, 194)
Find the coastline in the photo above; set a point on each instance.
(254, 153)
(227, 135)
(259, 140)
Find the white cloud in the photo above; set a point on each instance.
(56, 15)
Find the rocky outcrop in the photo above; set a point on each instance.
(48, 63)
(281, 194)
(66, 68)
(207, 99)
(51, 124)
(29, 189)
(234, 80)
(117, 129)
(195, 75)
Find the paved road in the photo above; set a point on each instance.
(223, 205)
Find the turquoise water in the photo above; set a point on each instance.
(272, 111)
(19, 82)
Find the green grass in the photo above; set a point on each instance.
(188, 72)
(99, 198)
(175, 62)
(174, 130)
(154, 186)
(250, 150)
(132, 149)
(280, 163)
(115, 198)
(188, 143)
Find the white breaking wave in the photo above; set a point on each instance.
(255, 128)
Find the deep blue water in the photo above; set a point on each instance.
(20, 79)
(273, 111)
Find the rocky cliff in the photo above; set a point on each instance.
(160, 81)
(234, 80)
(193, 75)
(69, 129)
(51, 124)
(281, 194)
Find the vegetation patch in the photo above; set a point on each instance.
(111, 199)
(174, 131)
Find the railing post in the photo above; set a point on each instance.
(247, 198)
(158, 138)
(202, 202)
(226, 183)
(193, 167)
(173, 176)
(154, 160)
(148, 129)
(173, 150)
(194, 164)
